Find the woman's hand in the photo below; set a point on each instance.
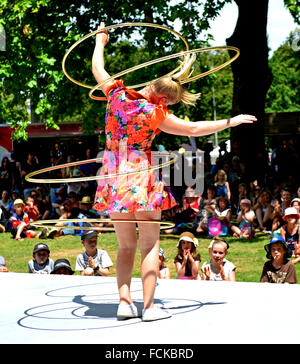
(102, 37)
(241, 119)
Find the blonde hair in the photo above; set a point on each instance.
(220, 171)
(171, 87)
(217, 240)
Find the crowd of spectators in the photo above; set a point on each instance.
(235, 201)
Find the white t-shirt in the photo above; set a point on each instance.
(101, 259)
(46, 268)
(228, 268)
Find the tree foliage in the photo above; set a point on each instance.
(284, 93)
(38, 33)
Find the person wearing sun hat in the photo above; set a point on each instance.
(291, 230)
(188, 259)
(278, 269)
(296, 204)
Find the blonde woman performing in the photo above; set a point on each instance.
(132, 121)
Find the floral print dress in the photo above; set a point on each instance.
(131, 125)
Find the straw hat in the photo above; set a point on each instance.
(86, 200)
(187, 236)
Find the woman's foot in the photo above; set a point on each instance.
(128, 311)
(155, 313)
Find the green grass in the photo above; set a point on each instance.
(248, 257)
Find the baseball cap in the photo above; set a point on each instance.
(62, 263)
(41, 246)
(18, 201)
(86, 235)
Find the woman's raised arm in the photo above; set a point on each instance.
(98, 69)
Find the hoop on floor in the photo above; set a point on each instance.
(29, 176)
(174, 55)
(52, 224)
(114, 27)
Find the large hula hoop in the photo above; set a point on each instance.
(175, 55)
(114, 27)
(49, 224)
(29, 176)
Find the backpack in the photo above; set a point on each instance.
(216, 227)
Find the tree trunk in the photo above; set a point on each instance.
(252, 77)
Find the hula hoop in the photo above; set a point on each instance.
(49, 224)
(114, 27)
(29, 176)
(174, 55)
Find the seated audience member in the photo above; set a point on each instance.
(5, 222)
(31, 164)
(92, 261)
(85, 209)
(3, 267)
(263, 211)
(32, 210)
(206, 210)
(163, 271)
(185, 216)
(21, 225)
(255, 191)
(219, 268)
(43, 204)
(7, 178)
(220, 224)
(72, 172)
(14, 196)
(73, 200)
(296, 204)
(245, 220)
(280, 207)
(5, 202)
(62, 266)
(290, 231)
(278, 269)
(88, 169)
(41, 263)
(242, 194)
(187, 259)
(221, 184)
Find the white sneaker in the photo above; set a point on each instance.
(155, 313)
(128, 311)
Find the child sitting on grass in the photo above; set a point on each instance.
(93, 261)
(163, 271)
(278, 269)
(219, 268)
(187, 259)
(21, 224)
(245, 220)
(41, 263)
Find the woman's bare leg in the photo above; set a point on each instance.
(127, 238)
(149, 246)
